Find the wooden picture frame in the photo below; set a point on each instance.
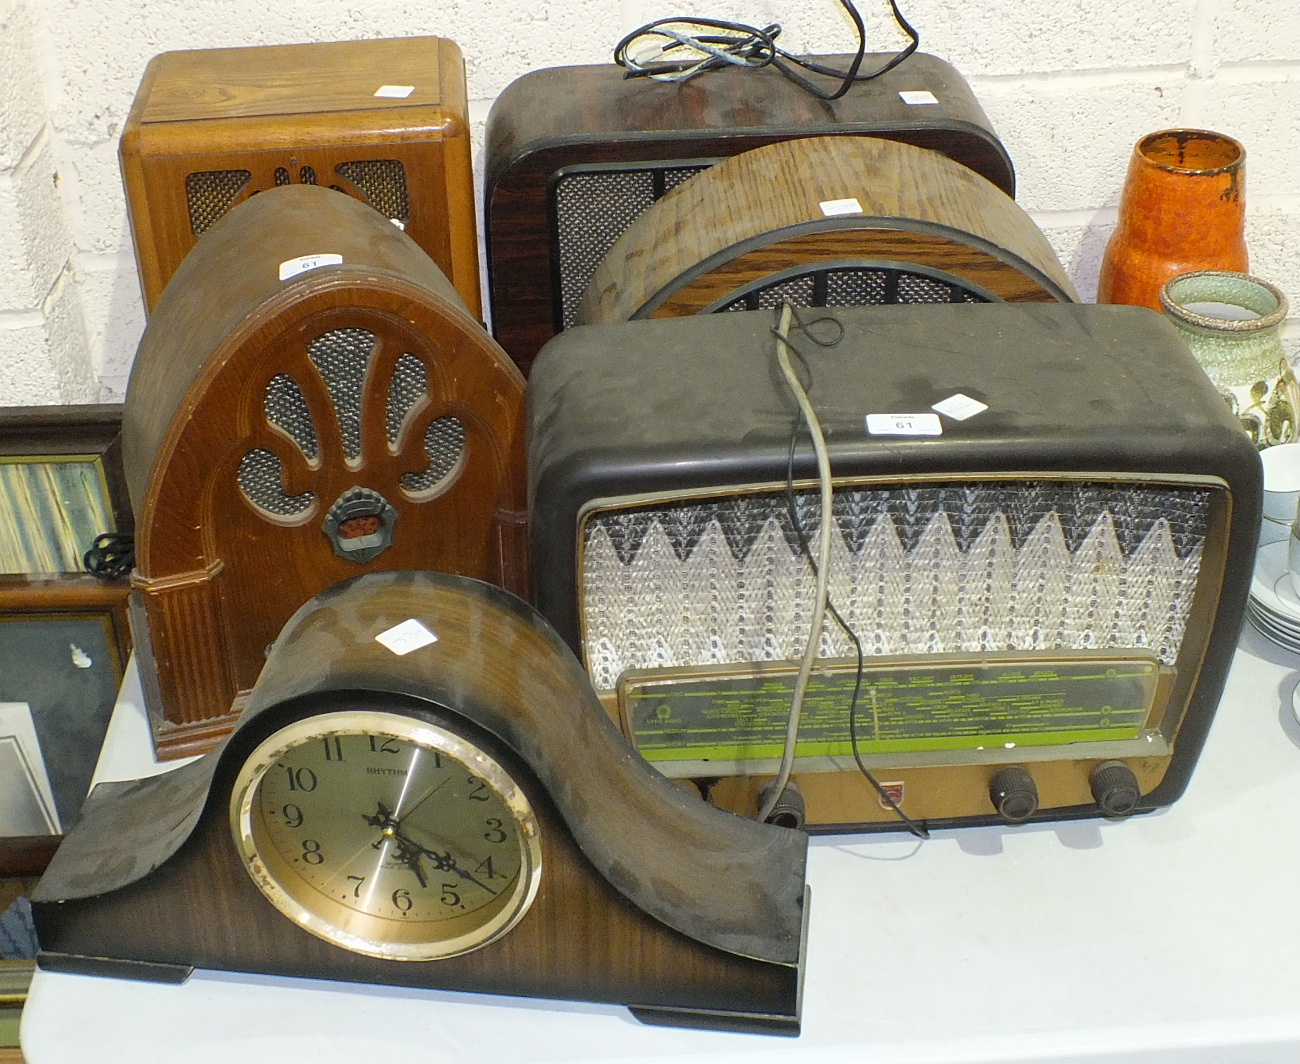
(64, 634)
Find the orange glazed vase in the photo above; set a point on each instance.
(1182, 209)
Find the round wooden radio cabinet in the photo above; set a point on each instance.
(842, 221)
(311, 401)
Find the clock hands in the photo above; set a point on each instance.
(409, 852)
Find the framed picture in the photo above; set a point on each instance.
(64, 635)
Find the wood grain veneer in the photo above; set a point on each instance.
(218, 572)
(647, 897)
(761, 213)
(295, 114)
(549, 122)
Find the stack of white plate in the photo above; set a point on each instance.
(1274, 607)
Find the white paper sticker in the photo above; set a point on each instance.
(832, 208)
(904, 425)
(405, 637)
(913, 97)
(394, 92)
(959, 407)
(293, 267)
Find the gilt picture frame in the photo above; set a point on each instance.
(64, 633)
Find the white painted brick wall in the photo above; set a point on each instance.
(1070, 86)
(43, 348)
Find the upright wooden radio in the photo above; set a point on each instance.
(384, 121)
(310, 401)
(1044, 522)
(576, 154)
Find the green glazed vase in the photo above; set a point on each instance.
(1231, 322)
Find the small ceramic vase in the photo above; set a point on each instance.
(1230, 321)
(1182, 209)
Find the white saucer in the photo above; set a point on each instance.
(1271, 586)
(1277, 620)
(1288, 640)
(1295, 703)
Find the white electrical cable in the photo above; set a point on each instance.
(823, 561)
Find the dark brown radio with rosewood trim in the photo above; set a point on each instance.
(575, 154)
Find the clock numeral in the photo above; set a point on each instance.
(478, 791)
(387, 746)
(292, 816)
(495, 832)
(402, 900)
(449, 895)
(301, 779)
(333, 747)
(311, 852)
(356, 889)
(488, 872)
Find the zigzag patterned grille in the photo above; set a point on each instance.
(934, 569)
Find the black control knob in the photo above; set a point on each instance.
(789, 811)
(1014, 794)
(1115, 788)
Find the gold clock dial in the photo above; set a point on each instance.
(386, 835)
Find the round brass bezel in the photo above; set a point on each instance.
(343, 925)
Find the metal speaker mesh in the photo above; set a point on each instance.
(853, 286)
(210, 193)
(409, 384)
(286, 409)
(342, 358)
(444, 443)
(261, 478)
(383, 183)
(997, 567)
(592, 208)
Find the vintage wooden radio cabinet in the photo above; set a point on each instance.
(384, 121)
(1044, 524)
(825, 221)
(310, 400)
(575, 154)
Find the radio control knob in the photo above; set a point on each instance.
(1115, 788)
(789, 811)
(1014, 794)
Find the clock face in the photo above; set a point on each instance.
(386, 835)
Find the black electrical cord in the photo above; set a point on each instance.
(111, 556)
(917, 829)
(749, 46)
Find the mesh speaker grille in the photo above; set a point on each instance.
(261, 478)
(854, 286)
(342, 358)
(797, 290)
(383, 183)
(210, 193)
(444, 443)
(673, 177)
(410, 384)
(592, 209)
(286, 409)
(1025, 565)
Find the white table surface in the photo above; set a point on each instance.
(1165, 939)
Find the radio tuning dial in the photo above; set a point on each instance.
(1014, 794)
(1115, 788)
